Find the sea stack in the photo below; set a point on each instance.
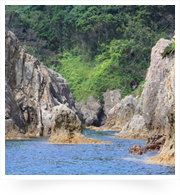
(67, 128)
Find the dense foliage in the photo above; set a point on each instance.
(94, 47)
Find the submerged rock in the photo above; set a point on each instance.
(67, 128)
(154, 143)
(136, 150)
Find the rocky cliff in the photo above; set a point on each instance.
(31, 92)
(155, 113)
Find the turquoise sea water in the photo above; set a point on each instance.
(37, 157)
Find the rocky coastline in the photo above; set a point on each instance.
(154, 114)
(33, 93)
(38, 102)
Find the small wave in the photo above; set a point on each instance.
(144, 160)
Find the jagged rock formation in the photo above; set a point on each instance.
(135, 128)
(14, 125)
(111, 98)
(38, 100)
(155, 113)
(94, 113)
(67, 128)
(121, 113)
(32, 90)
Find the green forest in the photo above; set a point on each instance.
(94, 47)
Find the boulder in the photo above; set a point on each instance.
(38, 101)
(15, 125)
(136, 150)
(67, 128)
(154, 143)
(158, 94)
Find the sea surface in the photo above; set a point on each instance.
(38, 157)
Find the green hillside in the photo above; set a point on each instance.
(94, 47)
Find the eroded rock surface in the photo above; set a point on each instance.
(135, 128)
(67, 128)
(95, 112)
(155, 113)
(120, 114)
(111, 98)
(32, 90)
(38, 100)
(92, 112)
(154, 143)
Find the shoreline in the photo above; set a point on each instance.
(156, 159)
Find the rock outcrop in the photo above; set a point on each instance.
(121, 113)
(154, 143)
(92, 112)
(67, 128)
(14, 125)
(155, 113)
(111, 98)
(32, 90)
(135, 128)
(38, 101)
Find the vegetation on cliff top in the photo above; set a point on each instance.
(169, 49)
(94, 47)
